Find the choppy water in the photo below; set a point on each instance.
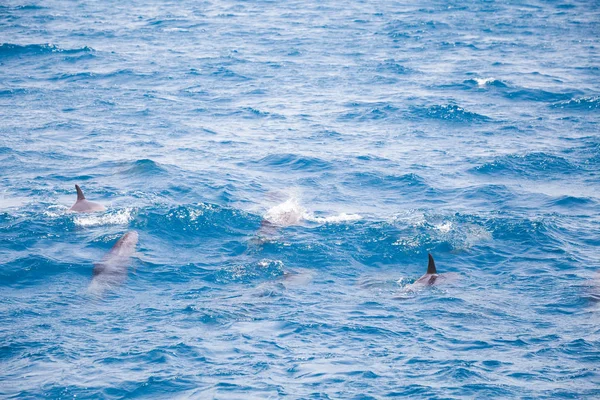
(386, 130)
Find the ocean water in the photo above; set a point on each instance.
(367, 134)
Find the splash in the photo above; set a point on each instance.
(120, 217)
(481, 82)
(291, 212)
(56, 211)
(287, 213)
(334, 219)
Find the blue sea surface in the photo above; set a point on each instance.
(368, 134)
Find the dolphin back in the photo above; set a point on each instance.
(83, 205)
(112, 270)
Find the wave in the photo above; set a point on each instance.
(246, 273)
(144, 167)
(536, 95)
(580, 104)
(423, 230)
(531, 165)
(448, 112)
(30, 269)
(392, 66)
(494, 194)
(127, 74)
(255, 113)
(23, 7)
(515, 92)
(226, 73)
(294, 162)
(385, 182)
(10, 49)
(13, 91)
(369, 112)
(572, 202)
(193, 222)
(485, 82)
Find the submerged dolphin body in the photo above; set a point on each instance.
(83, 205)
(432, 277)
(112, 270)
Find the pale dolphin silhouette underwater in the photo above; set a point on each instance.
(112, 270)
(83, 205)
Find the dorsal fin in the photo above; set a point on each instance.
(80, 195)
(431, 266)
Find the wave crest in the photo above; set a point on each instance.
(448, 112)
(10, 49)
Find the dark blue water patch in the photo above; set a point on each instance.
(255, 113)
(492, 194)
(536, 95)
(229, 74)
(590, 103)
(368, 112)
(382, 181)
(195, 223)
(31, 270)
(519, 230)
(327, 135)
(143, 168)
(458, 44)
(125, 76)
(537, 166)
(24, 7)
(262, 270)
(9, 92)
(293, 162)
(448, 112)
(573, 202)
(392, 66)
(10, 50)
(405, 243)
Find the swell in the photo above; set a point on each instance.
(514, 92)
(31, 270)
(294, 162)
(447, 112)
(12, 50)
(535, 165)
(590, 103)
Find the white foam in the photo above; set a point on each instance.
(444, 227)
(334, 219)
(484, 81)
(412, 218)
(291, 212)
(120, 217)
(56, 211)
(287, 213)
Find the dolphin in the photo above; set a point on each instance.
(83, 205)
(282, 215)
(432, 277)
(112, 270)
